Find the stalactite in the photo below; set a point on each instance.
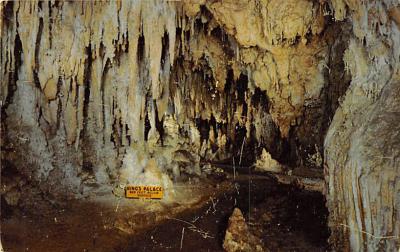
(109, 83)
(121, 71)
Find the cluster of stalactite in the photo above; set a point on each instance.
(87, 86)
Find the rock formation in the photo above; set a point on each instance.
(238, 236)
(94, 93)
(362, 145)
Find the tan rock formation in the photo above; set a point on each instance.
(267, 163)
(362, 142)
(238, 237)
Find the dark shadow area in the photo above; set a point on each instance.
(284, 217)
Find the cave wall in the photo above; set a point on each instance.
(362, 144)
(71, 74)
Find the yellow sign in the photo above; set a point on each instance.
(144, 192)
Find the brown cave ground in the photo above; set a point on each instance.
(283, 216)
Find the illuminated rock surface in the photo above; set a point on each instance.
(99, 94)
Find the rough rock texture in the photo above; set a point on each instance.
(96, 93)
(238, 236)
(362, 144)
(75, 100)
(92, 91)
(276, 28)
(267, 163)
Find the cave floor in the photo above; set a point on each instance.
(284, 217)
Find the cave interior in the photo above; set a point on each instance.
(269, 125)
